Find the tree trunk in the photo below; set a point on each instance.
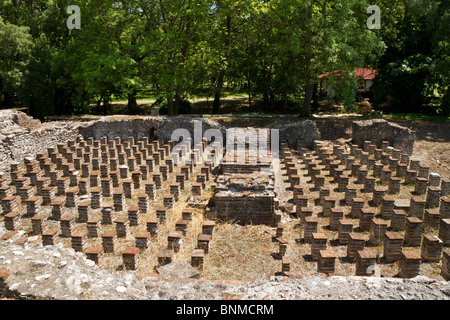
(306, 109)
(176, 106)
(132, 103)
(217, 92)
(170, 110)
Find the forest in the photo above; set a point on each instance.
(64, 57)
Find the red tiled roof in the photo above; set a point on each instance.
(363, 73)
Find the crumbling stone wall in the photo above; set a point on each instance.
(22, 136)
(299, 134)
(379, 130)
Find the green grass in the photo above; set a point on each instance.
(410, 116)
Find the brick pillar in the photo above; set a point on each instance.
(324, 192)
(445, 187)
(161, 213)
(362, 174)
(445, 269)
(174, 240)
(328, 203)
(444, 208)
(377, 231)
(128, 188)
(345, 228)
(432, 218)
(394, 185)
(136, 177)
(196, 189)
(119, 200)
(393, 164)
(357, 205)
(417, 207)
(187, 213)
(434, 180)
(169, 201)
(143, 202)
(152, 226)
(444, 231)
(420, 186)
(424, 171)
(165, 257)
(182, 225)
(378, 194)
(365, 220)
(134, 216)
(431, 248)
(409, 266)
(318, 242)
(392, 248)
(142, 240)
(67, 223)
(79, 241)
(387, 207)
(336, 214)
(157, 180)
(175, 190)
(49, 237)
(369, 184)
(197, 258)
(311, 224)
(377, 170)
(398, 220)
(12, 221)
(326, 261)
(401, 170)
(179, 178)
(150, 190)
(350, 193)
(433, 197)
(411, 176)
(109, 241)
(385, 175)
(356, 242)
(95, 254)
(343, 182)
(365, 263)
(413, 231)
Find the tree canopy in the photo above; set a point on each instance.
(271, 50)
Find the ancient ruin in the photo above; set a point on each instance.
(119, 192)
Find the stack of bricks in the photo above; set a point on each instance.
(169, 201)
(84, 211)
(203, 241)
(9, 204)
(161, 213)
(72, 200)
(326, 261)
(79, 241)
(433, 197)
(392, 249)
(357, 205)
(356, 242)
(33, 205)
(109, 240)
(12, 221)
(413, 231)
(119, 200)
(409, 266)
(197, 189)
(96, 198)
(122, 227)
(432, 218)
(181, 225)
(165, 256)
(431, 248)
(318, 242)
(365, 263)
(387, 207)
(143, 203)
(444, 231)
(311, 224)
(336, 214)
(130, 256)
(93, 227)
(365, 219)
(377, 231)
(38, 224)
(108, 215)
(49, 237)
(197, 258)
(417, 207)
(420, 187)
(95, 254)
(345, 228)
(153, 226)
(150, 190)
(174, 240)
(444, 208)
(445, 269)
(58, 210)
(142, 240)
(67, 225)
(208, 227)
(134, 216)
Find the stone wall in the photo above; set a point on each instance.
(381, 130)
(299, 134)
(22, 136)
